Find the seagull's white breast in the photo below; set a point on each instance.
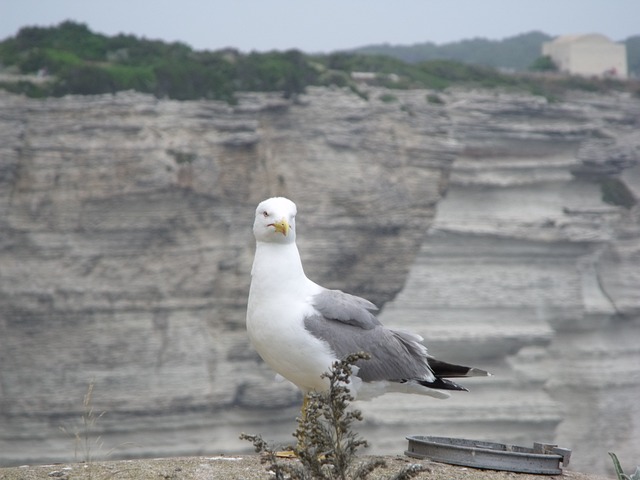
(277, 332)
(278, 304)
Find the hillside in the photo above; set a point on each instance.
(516, 53)
(513, 53)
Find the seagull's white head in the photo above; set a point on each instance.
(275, 221)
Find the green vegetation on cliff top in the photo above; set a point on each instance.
(71, 59)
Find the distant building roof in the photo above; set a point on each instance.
(581, 37)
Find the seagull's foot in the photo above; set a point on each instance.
(286, 454)
(291, 454)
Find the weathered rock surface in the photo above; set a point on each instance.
(524, 265)
(125, 250)
(127, 246)
(249, 467)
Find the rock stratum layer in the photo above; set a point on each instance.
(126, 247)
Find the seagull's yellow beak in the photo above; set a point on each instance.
(282, 226)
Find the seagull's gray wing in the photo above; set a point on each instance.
(346, 324)
(349, 309)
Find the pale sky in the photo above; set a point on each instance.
(326, 25)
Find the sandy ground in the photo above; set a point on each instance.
(244, 467)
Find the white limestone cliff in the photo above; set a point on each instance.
(125, 249)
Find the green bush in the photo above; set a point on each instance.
(388, 98)
(84, 80)
(327, 445)
(69, 36)
(434, 99)
(51, 59)
(543, 64)
(131, 78)
(29, 89)
(288, 72)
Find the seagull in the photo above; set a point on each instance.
(300, 328)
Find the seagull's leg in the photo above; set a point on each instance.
(303, 416)
(305, 405)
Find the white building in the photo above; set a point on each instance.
(591, 54)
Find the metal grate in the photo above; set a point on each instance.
(543, 458)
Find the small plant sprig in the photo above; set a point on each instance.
(85, 442)
(620, 473)
(83, 437)
(326, 443)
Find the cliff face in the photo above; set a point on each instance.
(126, 246)
(527, 268)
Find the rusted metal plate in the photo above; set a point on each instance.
(542, 458)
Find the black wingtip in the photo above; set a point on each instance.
(442, 384)
(451, 370)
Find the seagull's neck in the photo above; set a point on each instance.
(277, 264)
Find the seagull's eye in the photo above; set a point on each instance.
(265, 214)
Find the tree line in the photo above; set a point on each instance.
(76, 60)
(517, 53)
